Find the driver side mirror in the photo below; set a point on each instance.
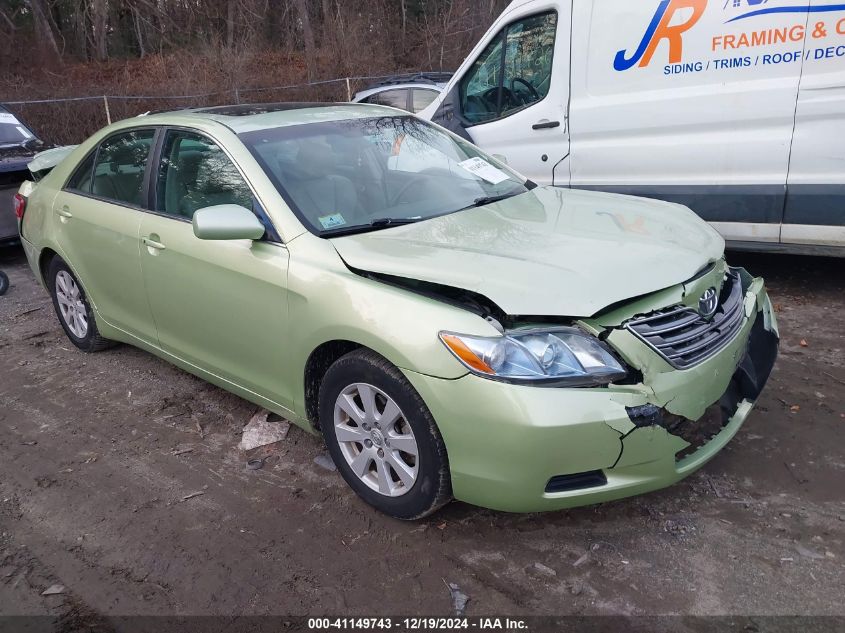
(227, 222)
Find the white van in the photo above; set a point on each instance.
(735, 108)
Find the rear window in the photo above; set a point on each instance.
(12, 131)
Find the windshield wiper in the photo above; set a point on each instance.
(484, 200)
(373, 225)
(382, 222)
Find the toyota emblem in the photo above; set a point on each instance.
(708, 303)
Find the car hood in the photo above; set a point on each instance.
(548, 252)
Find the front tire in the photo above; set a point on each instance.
(383, 438)
(72, 308)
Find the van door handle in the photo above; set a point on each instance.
(64, 212)
(154, 244)
(545, 125)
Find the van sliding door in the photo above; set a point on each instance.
(815, 200)
(691, 101)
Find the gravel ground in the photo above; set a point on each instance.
(101, 456)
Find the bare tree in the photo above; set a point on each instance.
(308, 37)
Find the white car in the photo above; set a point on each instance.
(413, 93)
(735, 108)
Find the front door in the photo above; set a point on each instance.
(513, 98)
(218, 305)
(99, 212)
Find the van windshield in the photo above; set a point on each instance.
(367, 174)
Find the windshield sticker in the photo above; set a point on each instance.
(331, 221)
(484, 170)
(7, 117)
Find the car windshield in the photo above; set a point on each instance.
(12, 131)
(367, 174)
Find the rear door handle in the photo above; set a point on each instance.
(545, 125)
(64, 212)
(151, 243)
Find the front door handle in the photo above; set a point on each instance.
(64, 212)
(545, 125)
(149, 242)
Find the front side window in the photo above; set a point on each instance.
(501, 82)
(365, 174)
(120, 165)
(195, 173)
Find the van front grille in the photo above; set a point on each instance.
(683, 337)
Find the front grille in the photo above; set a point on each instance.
(685, 338)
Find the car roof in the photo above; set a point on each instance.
(253, 117)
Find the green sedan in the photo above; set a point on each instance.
(450, 328)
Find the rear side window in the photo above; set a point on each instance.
(195, 173)
(423, 98)
(81, 179)
(120, 165)
(393, 98)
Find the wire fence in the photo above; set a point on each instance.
(69, 120)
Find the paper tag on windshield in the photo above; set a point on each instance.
(331, 221)
(484, 170)
(7, 117)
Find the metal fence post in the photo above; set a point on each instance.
(348, 90)
(106, 104)
(237, 96)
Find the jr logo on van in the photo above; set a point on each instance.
(660, 30)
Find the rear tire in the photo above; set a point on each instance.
(4, 284)
(72, 308)
(383, 438)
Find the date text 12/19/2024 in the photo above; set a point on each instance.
(418, 624)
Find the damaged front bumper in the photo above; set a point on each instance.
(526, 449)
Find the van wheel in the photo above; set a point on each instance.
(383, 438)
(73, 309)
(4, 283)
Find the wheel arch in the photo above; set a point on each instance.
(318, 363)
(44, 258)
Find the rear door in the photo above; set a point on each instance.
(815, 201)
(98, 215)
(691, 101)
(512, 99)
(219, 305)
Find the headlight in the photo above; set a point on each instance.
(564, 355)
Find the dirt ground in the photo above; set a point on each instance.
(96, 485)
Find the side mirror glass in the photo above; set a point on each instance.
(227, 222)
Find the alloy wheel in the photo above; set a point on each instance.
(376, 439)
(71, 306)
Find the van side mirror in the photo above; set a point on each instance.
(227, 222)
